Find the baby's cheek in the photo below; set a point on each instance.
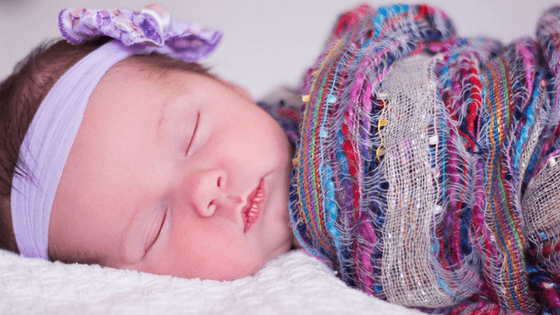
(215, 256)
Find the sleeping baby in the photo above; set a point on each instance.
(422, 167)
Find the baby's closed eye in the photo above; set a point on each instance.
(155, 226)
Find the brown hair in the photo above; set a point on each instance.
(22, 93)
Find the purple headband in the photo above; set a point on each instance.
(50, 136)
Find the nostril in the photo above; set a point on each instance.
(211, 208)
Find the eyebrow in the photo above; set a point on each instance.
(171, 97)
(163, 114)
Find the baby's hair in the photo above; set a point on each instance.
(22, 93)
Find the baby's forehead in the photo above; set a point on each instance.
(168, 75)
(134, 68)
(141, 74)
(164, 72)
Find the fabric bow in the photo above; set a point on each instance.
(152, 28)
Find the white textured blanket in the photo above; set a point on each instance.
(295, 283)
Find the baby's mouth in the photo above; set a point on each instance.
(253, 209)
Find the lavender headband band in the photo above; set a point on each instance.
(50, 136)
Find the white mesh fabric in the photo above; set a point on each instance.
(541, 211)
(529, 148)
(408, 276)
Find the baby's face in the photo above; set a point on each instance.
(181, 176)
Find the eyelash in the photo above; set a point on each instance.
(193, 134)
(156, 237)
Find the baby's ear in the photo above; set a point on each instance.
(239, 90)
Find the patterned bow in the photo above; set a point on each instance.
(152, 27)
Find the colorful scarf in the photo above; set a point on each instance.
(426, 171)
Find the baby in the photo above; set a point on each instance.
(168, 169)
(425, 170)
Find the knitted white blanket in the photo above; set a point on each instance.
(295, 283)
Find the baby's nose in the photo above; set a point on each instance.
(207, 191)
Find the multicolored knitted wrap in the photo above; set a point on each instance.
(427, 171)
